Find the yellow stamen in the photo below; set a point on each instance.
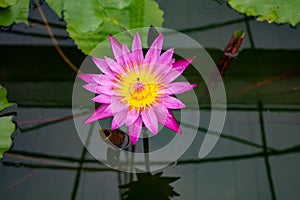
(139, 89)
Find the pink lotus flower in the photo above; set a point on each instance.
(138, 90)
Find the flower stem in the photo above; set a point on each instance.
(146, 150)
(131, 163)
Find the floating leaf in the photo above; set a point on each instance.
(97, 21)
(119, 4)
(7, 127)
(16, 13)
(279, 11)
(89, 22)
(7, 3)
(3, 101)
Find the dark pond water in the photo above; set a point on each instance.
(256, 157)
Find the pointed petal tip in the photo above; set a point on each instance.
(111, 37)
(114, 126)
(160, 38)
(149, 119)
(82, 77)
(95, 58)
(179, 131)
(137, 34)
(133, 140)
(158, 41)
(115, 46)
(153, 131)
(190, 60)
(89, 120)
(181, 65)
(160, 35)
(193, 85)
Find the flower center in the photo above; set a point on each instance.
(138, 89)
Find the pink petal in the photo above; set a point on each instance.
(119, 120)
(166, 57)
(90, 78)
(178, 68)
(128, 59)
(105, 89)
(150, 120)
(103, 111)
(92, 87)
(161, 70)
(114, 66)
(100, 89)
(102, 98)
(176, 88)
(163, 64)
(161, 113)
(169, 77)
(154, 51)
(167, 119)
(106, 80)
(181, 65)
(171, 102)
(135, 130)
(99, 79)
(102, 65)
(132, 116)
(116, 48)
(118, 105)
(137, 49)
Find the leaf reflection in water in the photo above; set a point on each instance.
(150, 186)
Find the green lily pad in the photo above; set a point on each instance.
(7, 127)
(16, 13)
(7, 3)
(89, 22)
(115, 3)
(3, 101)
(279, 11)
(97, 21)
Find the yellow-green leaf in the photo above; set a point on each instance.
(279, 11)
(7, 3)
(14, 14)
(7, 127)
(98, 20)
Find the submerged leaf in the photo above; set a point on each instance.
(7, 127)
(279, 11)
